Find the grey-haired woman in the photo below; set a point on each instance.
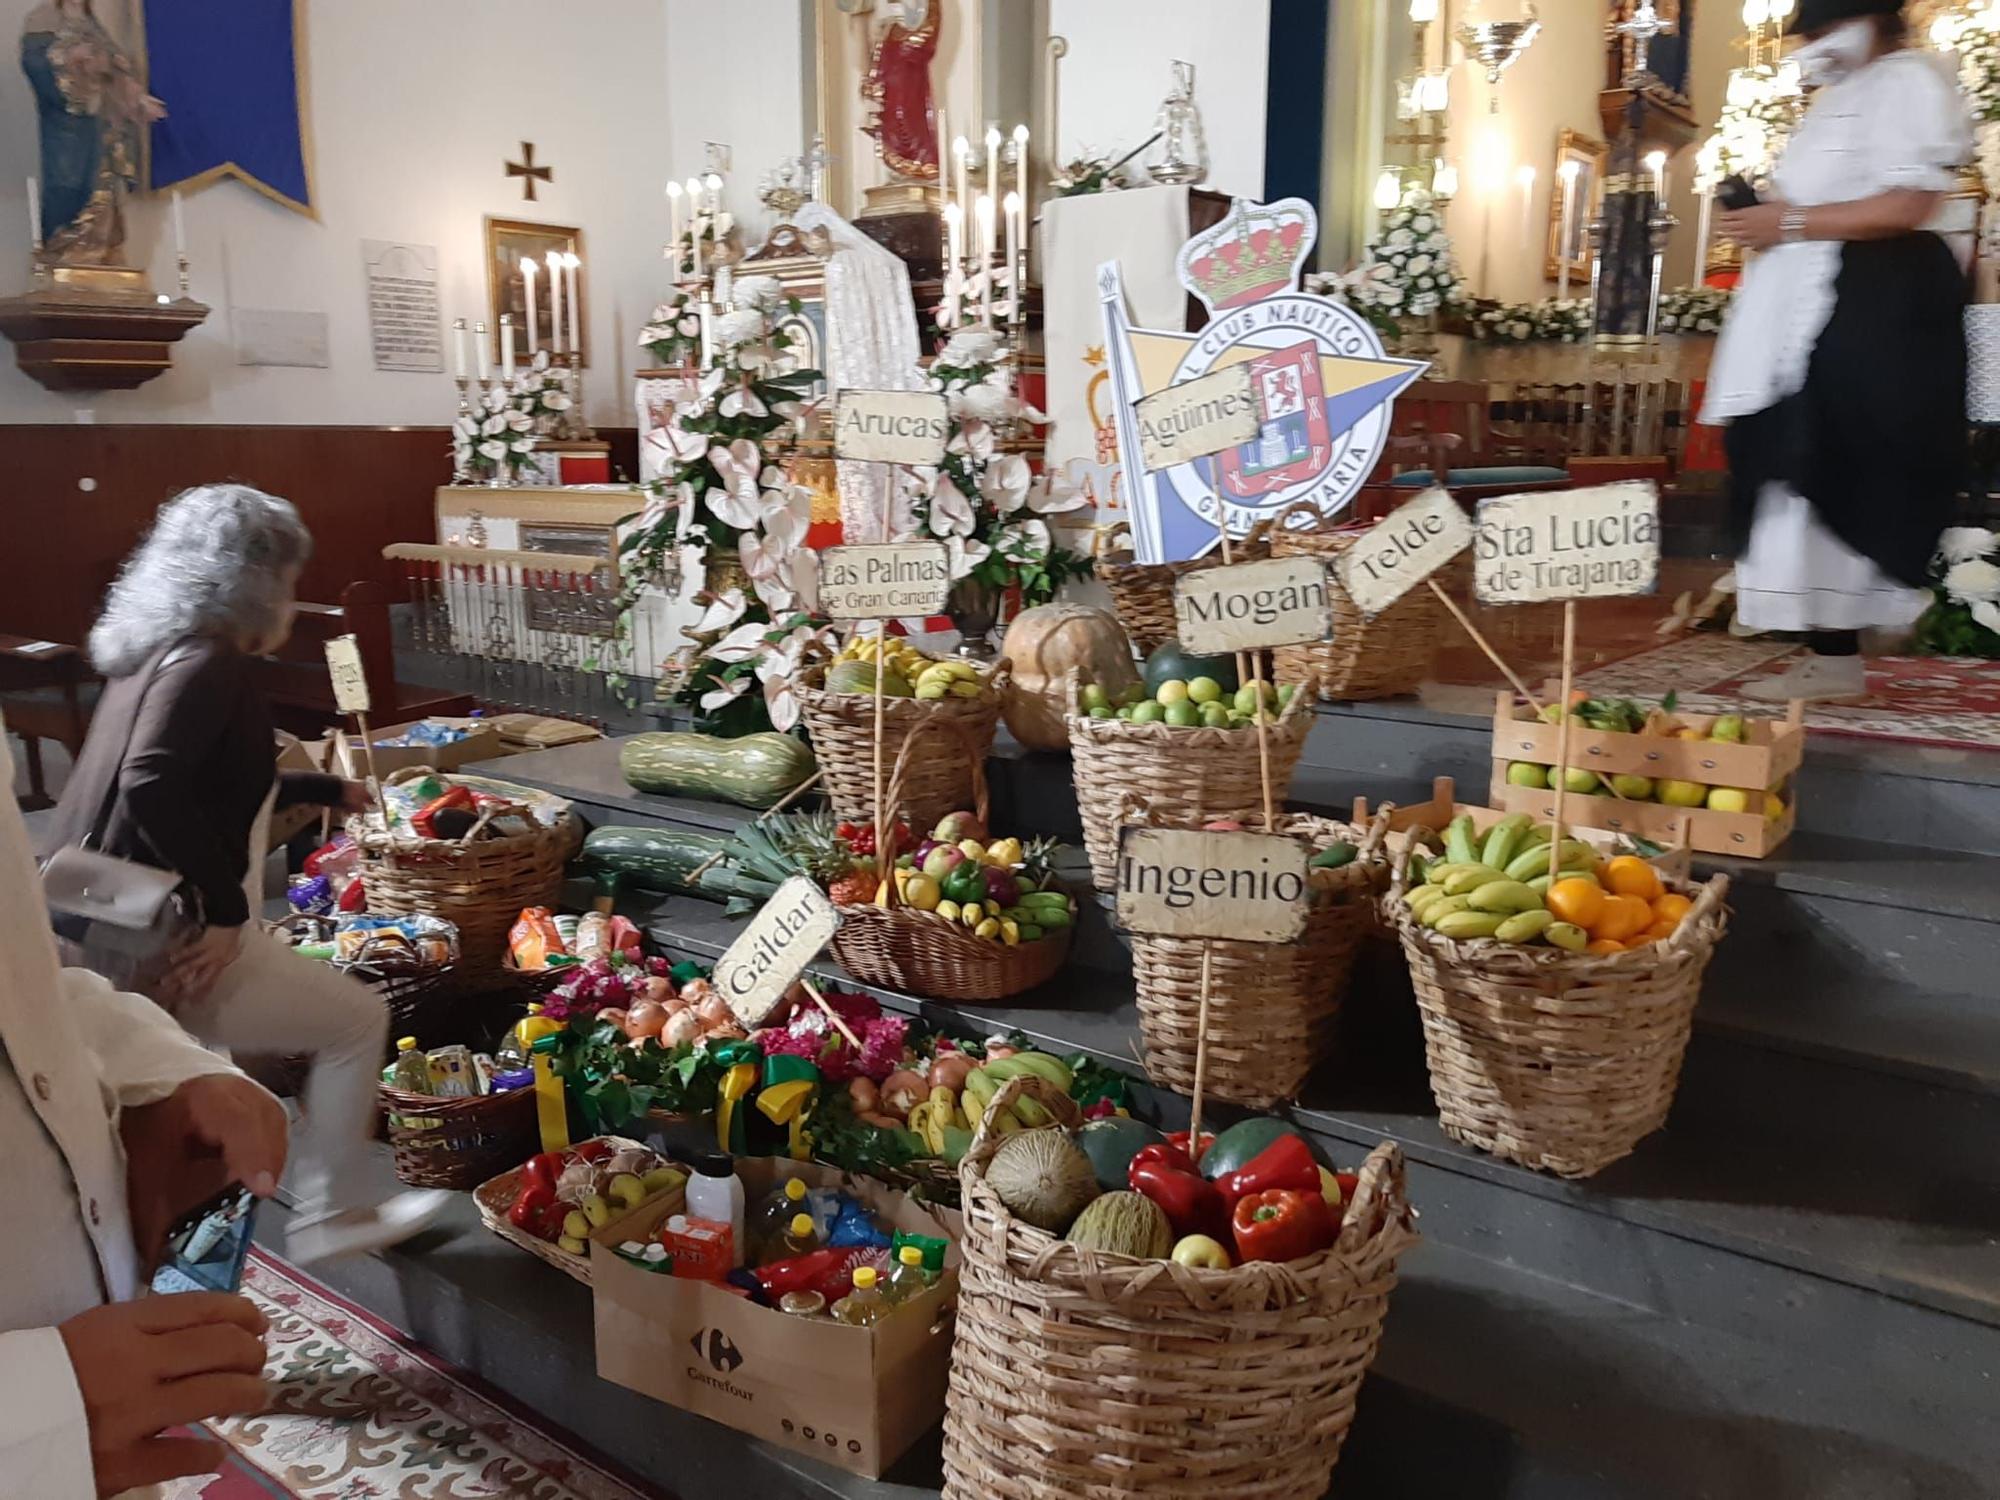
(179, 772)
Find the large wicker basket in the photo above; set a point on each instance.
(842, 726)
(1271, 1006)
(1142, 594)
(1557, 1060)
(458, 1143)
(920, 952)
(1179, 775)
(478, 884)
(1383, 657)
(1081, 1375)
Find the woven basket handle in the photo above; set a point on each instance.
(1712, 892)
(1278, 522)
(1399, 877)
(986, 1138)
(1376, 834)
(1380, 1198)
(892, 798)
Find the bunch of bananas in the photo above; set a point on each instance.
(984, 1081)
(956, 678)
(943, 1111)
(928, 676)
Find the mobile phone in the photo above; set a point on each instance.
(208, 1246)
(1734, 192)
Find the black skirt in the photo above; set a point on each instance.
(1876, 438)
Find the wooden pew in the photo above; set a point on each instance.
(301, 693)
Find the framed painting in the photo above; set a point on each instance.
(508, 243)
(1571, 244)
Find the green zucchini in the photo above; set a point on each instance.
(664, 859)
(756, 770)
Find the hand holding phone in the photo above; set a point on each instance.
(208, 1246)
(1735, 193)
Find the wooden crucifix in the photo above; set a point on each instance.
(529, 172)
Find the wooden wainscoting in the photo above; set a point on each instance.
(75, 500)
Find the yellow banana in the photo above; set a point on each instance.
(1470, 924)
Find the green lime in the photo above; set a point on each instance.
(1101, 711)
(1527, 773)
(1094, 697)
(1214, 716)
(1148, 713)
(1170, 692)
(1285, 693)
(1204, 690)
(1131, 693)
(1183, 715)
(1125, 713)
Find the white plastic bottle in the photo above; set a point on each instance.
(715, 1192)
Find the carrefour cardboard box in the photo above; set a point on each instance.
(481, 742)
(856, 1398)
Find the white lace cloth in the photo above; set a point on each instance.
(871, 344)
(1900, 122)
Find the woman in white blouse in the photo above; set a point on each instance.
(1841, 370)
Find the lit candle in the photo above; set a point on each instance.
(1388, 189)
(1569, 171)
(983, 212)
(35, 212)
(1656, 163)
(529, 268)
(1012, 210)
(180, 228)
(555, 302)
(458, 348)
(993, 162)
(480, 352)
(1021, 162)
(961, 151)
(1525, 176)
(1701, 239)
(1423, 12)
(707, 345)
(571, 262)
(507, 346)
(954, 231)
(695, 216)
(674, 224)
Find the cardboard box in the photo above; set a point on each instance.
(857, 1398)
(295, 755)
(482, 742)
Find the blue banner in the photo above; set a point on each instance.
(228, 73)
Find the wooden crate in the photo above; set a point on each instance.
(1751, 834)
(1675, 860)
(1771, 752)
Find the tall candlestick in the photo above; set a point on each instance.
(1569, 171)
(481, 353)
(1701, 240)
(707, 337)
(674, 224)
(570, 264)
(555, 301)
(1012, 211)
(961, 151)
(1525, 175)
(993, 162)
(954, 232)
(458, 335)
(180, 227)
(507, 347)
(1656, 163)
(35, 214)
(1021, 163)
(529, 269)
(943, 141)
(983, 212)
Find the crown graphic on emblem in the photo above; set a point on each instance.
(1253, 253)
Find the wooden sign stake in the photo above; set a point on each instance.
(1562, 738)
(1250, 665)
(884, 854)
(1483, 644)
(1200, 1052)
(839, 1023)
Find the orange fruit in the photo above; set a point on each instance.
(1577, 901)
(1604, 945)
(1671, 907)
(1624, 917)
(1629, 875)
(1660, 931)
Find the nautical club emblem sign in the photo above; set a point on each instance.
(1323, 386)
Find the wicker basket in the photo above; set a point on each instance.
(1383, 657)
(458, 1143)
(1142, 594)
(920, 952)
(842, 726)
(1557, 1060)
(1271, 1006)
(493, 1198)
(1080, 1375)
(478, 884)
(1179, 775)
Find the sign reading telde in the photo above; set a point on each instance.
(890, 427)
(1183, 883)
(1203, 416)
(884, 582)
(1599, 543)
(774, 950)
(1282, 601)
(1403, 550)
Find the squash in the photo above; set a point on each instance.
(755, 770)
(665, 860)
(1045, 643)
(1170, 662)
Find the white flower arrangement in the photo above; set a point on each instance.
(1552, 320)
(673, 334)
(1408, 270)
(1975, 38)
(494, 439)
(1694, 309)
(1964, 620)
(1759, 112)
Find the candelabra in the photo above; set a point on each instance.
(1660, 226)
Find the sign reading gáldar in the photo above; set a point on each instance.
(780, 943)
(1203, 416)
(1282, 601)
(890, 427)
(1404, 549)
(1598, 543)
(884, 582)
(1176, 882)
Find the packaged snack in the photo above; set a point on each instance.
(451, 1072)
(593, 936)
(535, 939)
(311, 894)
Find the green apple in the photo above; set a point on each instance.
(1682, 793)
(1202, 1253)
(1527, 773)
(1285, 693)
(1728, 729)
(575, 1225)
(1170, 692)
(1731, 799)
(1633, 788)
(1576, 779)
(1148, 712)
(1101, 711)
(1204, 690)
(1183, 714)
(1214, 716)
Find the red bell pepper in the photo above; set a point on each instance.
(529, 1205)
(1286, 1163)
(549, 1225)
(1180, 1138)
(1192, 1204)
(1280, 1224)
(543, 1170)
(354, 898)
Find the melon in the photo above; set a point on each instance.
(1123, 1224)
(1111, 1143)
(859, 677)
(1169, 663)
(1042, 1178)
(1045, 644)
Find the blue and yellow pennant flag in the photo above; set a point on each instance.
(229, 73)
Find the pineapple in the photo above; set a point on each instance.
(1038, 860)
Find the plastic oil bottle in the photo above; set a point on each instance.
(411, 1072)
(773, 1217)
(907, 1278)
(863, 1306)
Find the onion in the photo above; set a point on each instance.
(864, 1096)
(949, 1071)
(682, 1026)
(997, 1050)
(714, 1010)
(697, 990)
(645, 1019)
(615, 1018)
(728, 1031)
(659, 987)
(903, 1090)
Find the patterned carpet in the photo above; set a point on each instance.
(1919, 700)
(359, 1413)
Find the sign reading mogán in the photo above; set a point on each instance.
(1282, 601)
(889, 581)
(890, 427)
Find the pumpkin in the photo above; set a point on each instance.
(755, 770)
(1044, 644)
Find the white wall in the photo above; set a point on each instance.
(761, 117)
(1120, 66)
(414, 108)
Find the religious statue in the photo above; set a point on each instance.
(92, 107)
(899, 83)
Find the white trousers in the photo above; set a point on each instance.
(272, 1001)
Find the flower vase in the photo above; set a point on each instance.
(973, 607)
(721, 574)
(1416, 338)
